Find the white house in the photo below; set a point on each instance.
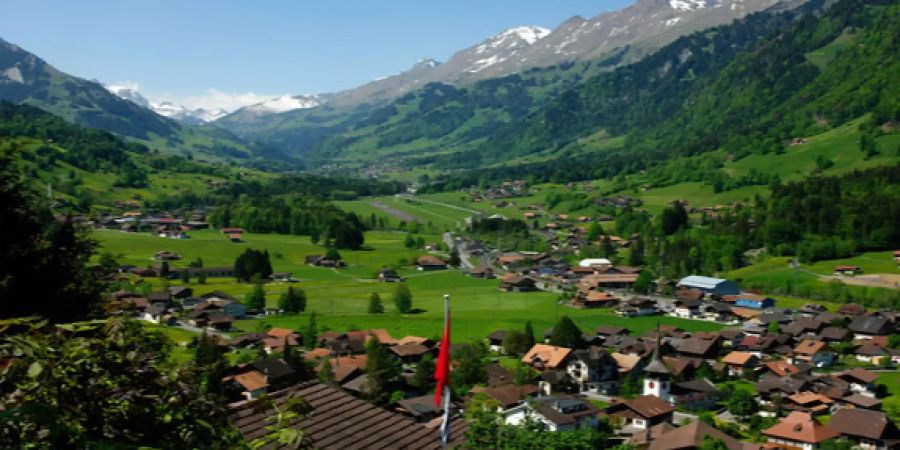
(556, 413)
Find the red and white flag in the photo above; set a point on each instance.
(442, 375)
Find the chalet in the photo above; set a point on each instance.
(251, 382)
(770, 387)
(507, 395)
(642, 412)
(851, 309)
(696, 394)
(867, 327)
(230, 307)
(546, 357)
(717, 312)
(798, 430)
(698, 348)
(409, 354)
(220, 322)
(155, 313)
(814, 353)
(235, 237)
(164, 297)
(687, 309)
(593, 370)
(512, 282)
(231, 230)
(811, 309)
(860, 401)
(511, 260)
(638, 306)
(689, 436)
(594, 263)
(871, 353)
(608, 331)
(422, 409)
(557, 413)
(482, 272)
(282, 276)
(322, 261)
(180, 292)
(861, 381)
(737, 363)
(596, 299)
(709, 285)
(389, 276)
(870, 430)
(848, 270)
(808, 402)
(495, 341)
(428, 262)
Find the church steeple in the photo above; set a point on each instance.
(656, 375)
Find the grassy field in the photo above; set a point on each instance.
(340, 297)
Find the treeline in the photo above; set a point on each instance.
(292, 214)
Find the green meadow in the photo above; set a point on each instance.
(339, 297)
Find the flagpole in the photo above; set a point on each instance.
(443, 374)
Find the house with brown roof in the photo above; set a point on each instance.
(546, 357)
(557, 413)
(870, 430)
(429, 262)
(846, 269)
(507, 395)
(808, 402)
(782, 368)
(814, 353)
(851, 309)
(251, 382)
(868, 327)
(690, 437)
(799, 430)
(409, 354)
(596, 299)
(736, 363)
(642, 412)
(860, 381)
(513, 282)
(698, 348)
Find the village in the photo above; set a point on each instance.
(772, 376)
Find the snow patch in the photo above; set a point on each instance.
(14, 74)
(672, 21)
(687, 5)
(286, 103)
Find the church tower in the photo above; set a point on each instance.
(657, 377)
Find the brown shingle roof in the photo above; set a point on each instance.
(800, 427)
(691, 436)
(738, 358)
(856, 422)
(550, 355)
(341, 421)
(649, 406)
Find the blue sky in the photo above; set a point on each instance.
(179, 49)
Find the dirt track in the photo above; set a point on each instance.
(395, 212)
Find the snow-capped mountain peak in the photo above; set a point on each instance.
(128, 91)
(530, 34)
(286, 103)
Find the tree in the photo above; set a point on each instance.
(326, 372)
(310, 339)
(636, 257)
(292, 301)
(185, 276)
(201, 277)
(375, 306)
(529, 333)
(455, 260)
(103, 385)
(742, 404)
(566, 334)
(594, 232)
(409, 242)
(774, 328)
(516, 343)
(381, 371)
(164, 269)
(644, 282)
(333, 254)
(256, 299)
(423, 379)
(207, 352)
(469, 369)
(711, 443)
(403, 299)
(252, 263)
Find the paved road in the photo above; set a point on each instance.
(461, 248)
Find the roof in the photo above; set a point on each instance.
(252, 381)
(649, 406)
(805, 398)
(862, 400)
(611, 330)
(808, 347)
(625, 362)
(341, 421)
(782, 367)
(801, 427)
(428, 260)
(509, 394)
(273, 367)
(851, 309)
(562, 410)
(870, 325)
(550, 355)
(409, 350)
(738, 358)
(594, 262)
(860, 374)
(697, 347)
(280, 332)
(857, 422)
(691, 436)
(701, 282)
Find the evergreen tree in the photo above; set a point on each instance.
(381, 371)
(529, 333)
(636, 257)
(333, 254)
(516, 343)
(185, 276)
(644, 282)
(409, 242)
(252, 263)
(594, 232)
(201, 277)
(310, 338)
(566, 334)
(423, 379)
(375, 306)
(455, 260)
(403, 299)
(256, 299)
(164, 269)
(469, 369)
(326, 372)
(207, 352)
(292, 301)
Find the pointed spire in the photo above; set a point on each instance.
(656, 365)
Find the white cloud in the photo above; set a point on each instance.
(127, 84)
(215, 99)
